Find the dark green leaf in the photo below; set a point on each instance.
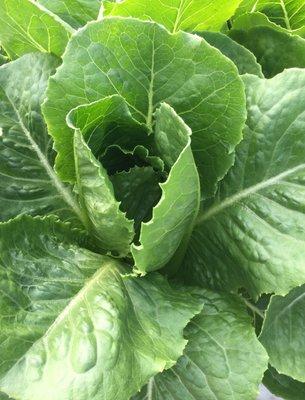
(28, 184)
(252, 234)
(283, 386)
(222, 360)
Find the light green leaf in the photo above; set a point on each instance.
(74, 322)
(26, 27)
(113, 231)
(289, 14)
(139, 191)
(108, 122)
(27, 182)
(274, 47)
(174, 215)
(252, 234)
(222, 360)
(175, 15)
(283, 333)
(75, 12)
(146, 65)
(243, 59)
(283, 386)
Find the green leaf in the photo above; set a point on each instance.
(274, 48)
(115, 159)
(175, 15)
(147, 65)
(252, 234)
(283, 333)
(108, 122)
(75, 12)
(243, 59)
(289, 14)
(113, 231)
(283, 386)
(139, 191)
(26, 27)
(174, 215)
(74, 322)
(27, 182)
(219, 359)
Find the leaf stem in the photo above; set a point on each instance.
(255, 309)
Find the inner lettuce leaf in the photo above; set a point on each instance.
(173, 217)
(146, 65)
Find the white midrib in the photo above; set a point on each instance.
(62, 190)
(230, 201)
(150, 387)
(285, 15)
(151, 88)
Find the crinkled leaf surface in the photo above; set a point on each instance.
(283, 333)
(71, 319)
(244, 60)
(174, 215)
(219, 359)
(274, 47)
(146, 65)
(175, 15)
(139, 191)
(252, 234)
(283, 386)
(113, 231)
(26, 27)
(75, 12)
(27, 181)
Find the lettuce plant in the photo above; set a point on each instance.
(152, 197)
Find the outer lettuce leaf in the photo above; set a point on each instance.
(283, 386)
(26, 27)
(75, 12)
(174, 215)
(252, 234)
(146, 65)
(222, 360)
(175, 15)
(112, 230)
(283, 333)
(244, 60)
(27, 181)
(289, 14)
(74, 322)
(139, 191)
(274, 47)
